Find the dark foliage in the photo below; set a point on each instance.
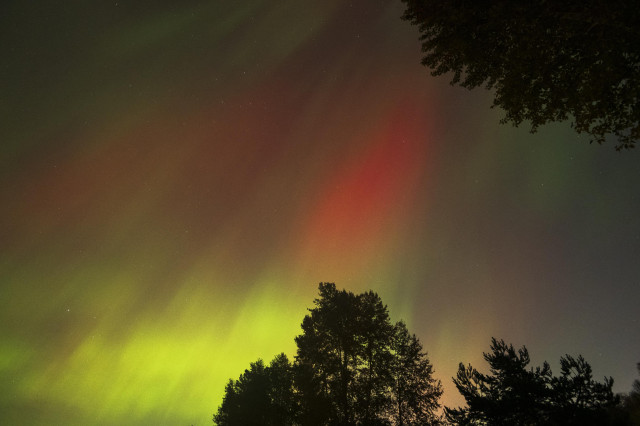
(262, 396)
(576, 399)
(546, 60)
(631, 403)
(353, 367)
(346, 341)
(514, 395)
(510, 395)
(415, 393)
(357, 368)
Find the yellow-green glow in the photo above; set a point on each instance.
(176, 178)
(163, 367)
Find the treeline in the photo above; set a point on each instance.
(355, 367)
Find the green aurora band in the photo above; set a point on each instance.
(177, 179)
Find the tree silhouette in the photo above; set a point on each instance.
(374, 370)
(328, 352)
(353, 367)
(547, 60)
(357, 368)
(515, 395)
(631, 402)
(510, 395)
(283, 406)
(415, 391)
(576, 398)
(262, 396)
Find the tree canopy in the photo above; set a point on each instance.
(514, 395)
(358, 368)
(352, 367)
(631, 402)
(262, 396)
(546, 60)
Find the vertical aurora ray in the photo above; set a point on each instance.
(139, 270)
(176, 180)
(363, 202)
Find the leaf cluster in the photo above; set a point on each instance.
(547, 61)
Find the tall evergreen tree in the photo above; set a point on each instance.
(283, 407)
(328, 353)
(262, 396)
(353, 367)
(364, 370)
(415, 393)
(374, 371)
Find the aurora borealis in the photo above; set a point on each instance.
(178, 177)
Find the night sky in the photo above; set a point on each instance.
(176, 178)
